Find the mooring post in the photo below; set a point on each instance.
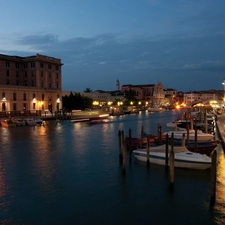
(196, 137)
(130, 143)
(148, 151)
(124, 150)
(119, 143)
(172, 163)
(167, 150)
(213, 178)
(183, 140)
(142, 136)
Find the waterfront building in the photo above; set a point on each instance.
(210, 97)
(152, 93)
(32, 83)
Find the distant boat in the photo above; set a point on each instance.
(8, 123)
(88, 115)
(156, 109)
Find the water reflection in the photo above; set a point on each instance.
(220, 186)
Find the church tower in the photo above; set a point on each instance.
(117, 85)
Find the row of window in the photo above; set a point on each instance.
(25, 96)
(32, 65)
(33, 83)
(32, 74)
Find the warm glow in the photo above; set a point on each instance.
(34, 100)
(4, 99)
(58, 100)
(139, 103)
(131, 103)
(95, 103)
(109, 103)
(177, 106)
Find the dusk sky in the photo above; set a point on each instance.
(180, 43)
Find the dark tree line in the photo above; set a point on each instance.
(76, 101)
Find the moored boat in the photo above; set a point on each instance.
(8, 123)
(201, 136)
(182, 157)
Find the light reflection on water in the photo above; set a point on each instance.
(70, 173)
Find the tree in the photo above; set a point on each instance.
(76, 101)
(88, 90)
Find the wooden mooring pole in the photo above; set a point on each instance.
(148, 151)
(167, 151)
(124, 151)
(213, 178)
(172, 163)
(120, 148)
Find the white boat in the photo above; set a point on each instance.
(173, 124)
(156, 109)
(30, 122)
(201, 136)
(38, 121)
(182, 157)
(87, 115)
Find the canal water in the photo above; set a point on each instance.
(70, 173)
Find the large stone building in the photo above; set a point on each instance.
(153, 93)
(30, 83)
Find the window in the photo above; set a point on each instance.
(42, 97)
(14, 96)
(42, 73)
(25, 74)
(32, 73)
(49, 66)
(34, 96)
(7, 64)
(57, 75)
(24, 97)
(7, 73)
(7, 82)
(49, 75)
(42, 65)
(24, 106)
(32, 64)
(57, 85)
(14, 106)
(49, 84)
(32, 83)
(25, 65)
(17, 82)
(34, 105)
(42, 84)
(17, 73)
(17, 65)
(56, 67)
(3, 94)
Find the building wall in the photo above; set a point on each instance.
(38, 78)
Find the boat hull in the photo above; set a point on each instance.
(187, 160)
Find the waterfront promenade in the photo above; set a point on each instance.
(221, 128)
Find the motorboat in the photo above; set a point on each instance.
(182, 157)
(88, 115)
(8, 123)
(156, 109)
(30, 122)
(201, 136)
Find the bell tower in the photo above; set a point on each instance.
(117, 85)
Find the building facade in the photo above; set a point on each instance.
(30, 83)
(152, 93)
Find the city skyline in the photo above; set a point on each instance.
(137, 42)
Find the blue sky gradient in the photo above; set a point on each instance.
(179, 43)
